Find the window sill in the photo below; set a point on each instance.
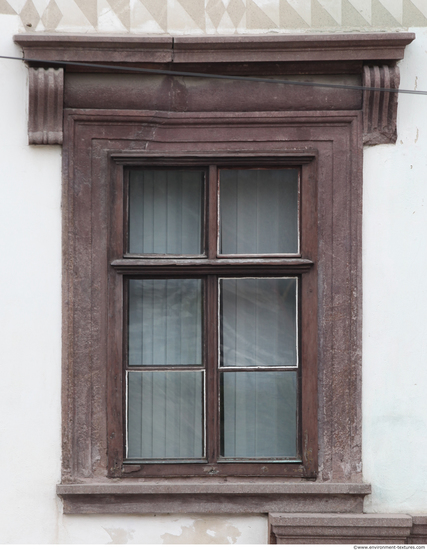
(211, 496)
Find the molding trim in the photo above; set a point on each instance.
(340, 528)
(93, 140)
(380, 108)
(215, 49)
(46, 104)
(419, 530)
(369, 56)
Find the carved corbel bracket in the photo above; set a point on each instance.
(46, 104)
(380, 108)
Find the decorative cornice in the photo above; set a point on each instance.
(46, 100)
(371, 56)
(215, 49)
(339, 528)
(380, 108)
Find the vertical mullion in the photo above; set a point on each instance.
(125, 365)
(126, 208)
(213, 213)
(211, 322)
(212, 386)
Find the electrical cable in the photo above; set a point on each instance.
(216, 76)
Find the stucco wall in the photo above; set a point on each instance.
(215, 16)
(395, 300)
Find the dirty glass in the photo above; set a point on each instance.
(166, 212)
(165, 415)
(259, 211)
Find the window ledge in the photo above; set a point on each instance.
(163, 496)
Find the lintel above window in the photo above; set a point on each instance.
(359, 58)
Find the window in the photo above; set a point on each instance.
(104, 261)
(215, 370)
(117, 129)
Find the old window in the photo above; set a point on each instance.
(214, 357)
(172, 270)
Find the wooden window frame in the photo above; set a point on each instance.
(210, 268)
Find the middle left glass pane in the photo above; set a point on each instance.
(165, 322)
(166, 213)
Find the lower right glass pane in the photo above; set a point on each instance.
(259, 415)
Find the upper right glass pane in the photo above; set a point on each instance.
(259, 211)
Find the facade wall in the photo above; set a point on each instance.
(394, 263)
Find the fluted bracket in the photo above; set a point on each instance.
(380, 108)
(46, 103)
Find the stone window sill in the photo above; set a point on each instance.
(211, 496)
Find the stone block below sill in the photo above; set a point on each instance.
(347, 528)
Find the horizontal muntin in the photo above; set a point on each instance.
(221, 266)
(244, 368)
(155, 368)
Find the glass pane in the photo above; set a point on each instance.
(259, 414)
(259, 211)
(165, 415)
(165, 322)
(258, 322)
(166, 211)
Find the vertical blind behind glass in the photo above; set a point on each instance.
(259, 414)
(166, 211)
(165, 322)
(259, 211)
(258, 322)
(165, 415)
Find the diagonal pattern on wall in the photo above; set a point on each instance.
(214, 16)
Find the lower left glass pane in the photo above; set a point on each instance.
(165, 415)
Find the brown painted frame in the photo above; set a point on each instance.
(303, 265)
(97, 145)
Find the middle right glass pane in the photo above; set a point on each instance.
(258, 322)
(259, 211)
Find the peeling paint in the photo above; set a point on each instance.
(210, 530)
(118, 535)
(418, 133)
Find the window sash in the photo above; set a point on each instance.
(213, 404)
(194, 267)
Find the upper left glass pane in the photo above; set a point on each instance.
(166, 212)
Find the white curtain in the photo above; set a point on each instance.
(258, 322)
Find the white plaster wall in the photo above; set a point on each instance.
(395, 303)
(395, 321)
(30, 309)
